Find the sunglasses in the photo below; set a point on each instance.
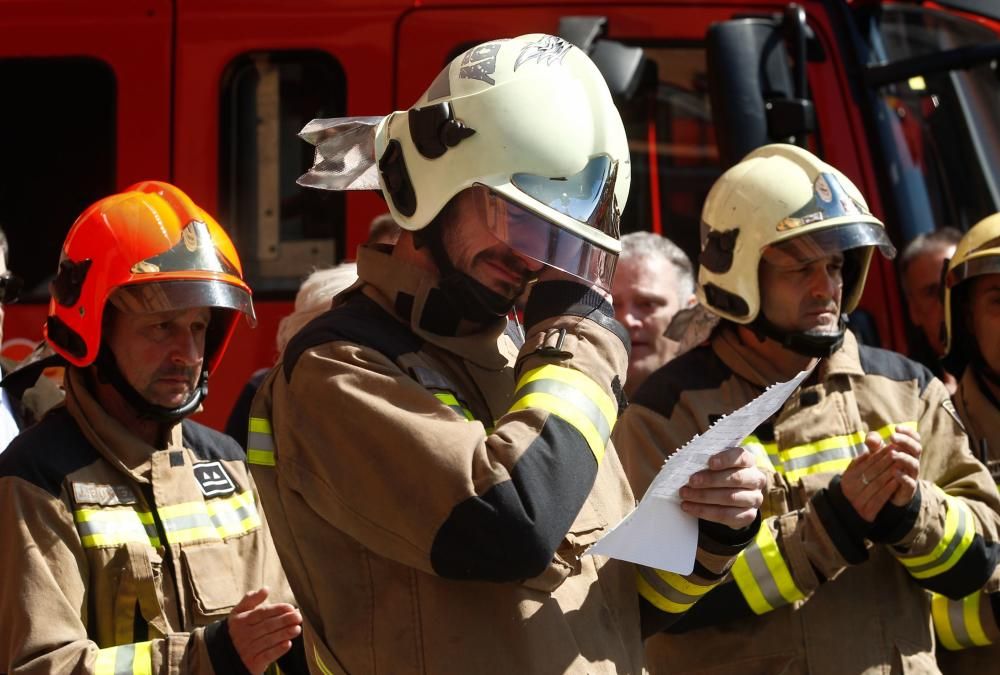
(10, 287)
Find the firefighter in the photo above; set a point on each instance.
(433, 475)
(133, 539)
(970, 328)
(873, 495)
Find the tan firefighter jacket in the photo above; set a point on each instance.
(967, 628)
(433, 488)
(118, 558)
(813, 594)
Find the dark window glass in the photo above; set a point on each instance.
(674, 156)
(57, 156)
(943, 128)
(282, 230)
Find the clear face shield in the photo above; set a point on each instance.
(586, 197)
(816, 245)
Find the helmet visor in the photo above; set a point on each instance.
(168, 296)
(975, 267)
(820, 243)
(535, 237)
(587, 197)
(194, 252)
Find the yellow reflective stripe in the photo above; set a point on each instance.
(260, 442)
(833, 466)
(260, 457)
(260, 425)
(215, 519)
(827, 454)
(234, 515)
(105, 664)
(578, 381)
(574, 398)
(669, 592)
(452, 402)
(958, 622)
(830, 443)
(187, 522)
(959, 531)
(763, 576)
(143, 662)
(762, 458)
(133, 659)
(115, 526)
(320, 664)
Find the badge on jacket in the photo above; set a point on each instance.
(213, 479)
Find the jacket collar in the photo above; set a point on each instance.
(411, 295)
(979, 413)
(112, 440)
(754, 368)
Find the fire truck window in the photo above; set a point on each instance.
(674, 156)
(944, 127)
(57, 156)
(282, 230)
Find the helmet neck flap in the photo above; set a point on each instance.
(802, 342)
(470, 299)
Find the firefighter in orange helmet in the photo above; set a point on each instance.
(134, 539)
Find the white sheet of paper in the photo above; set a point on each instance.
(658, 533)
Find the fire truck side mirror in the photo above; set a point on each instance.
(757, 82)
(624, 68)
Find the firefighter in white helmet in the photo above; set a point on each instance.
(873, 496)
(972, 351)
(433, 473)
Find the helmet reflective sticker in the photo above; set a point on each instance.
(537, 238)
(817, 244)
(587, 196)
(194, 252)
(830, 200)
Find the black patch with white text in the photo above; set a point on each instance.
(213, 479)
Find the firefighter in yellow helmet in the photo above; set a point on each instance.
(873, 495)
(970, 335)
(133, 541)
(434, 474)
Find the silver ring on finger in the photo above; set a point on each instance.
(864, 479)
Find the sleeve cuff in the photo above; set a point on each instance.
(549, 299)
(726, 537)
(894, 522)
(847, 530)
(221, 650)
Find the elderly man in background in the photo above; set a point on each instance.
(653, 281)
(920, 268)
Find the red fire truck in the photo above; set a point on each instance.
(904, 97)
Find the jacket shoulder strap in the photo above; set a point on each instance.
(361, 321)
(48, 452)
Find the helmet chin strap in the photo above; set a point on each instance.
(109, 372)
(801, 342)
(472, 300)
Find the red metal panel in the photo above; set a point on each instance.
(210, 35)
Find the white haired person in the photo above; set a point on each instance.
(654, 280)
(312, 299)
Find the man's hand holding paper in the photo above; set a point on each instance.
(729, 491)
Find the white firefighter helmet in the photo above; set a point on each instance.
(782, 201)
(977, 254)
(529, 123)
